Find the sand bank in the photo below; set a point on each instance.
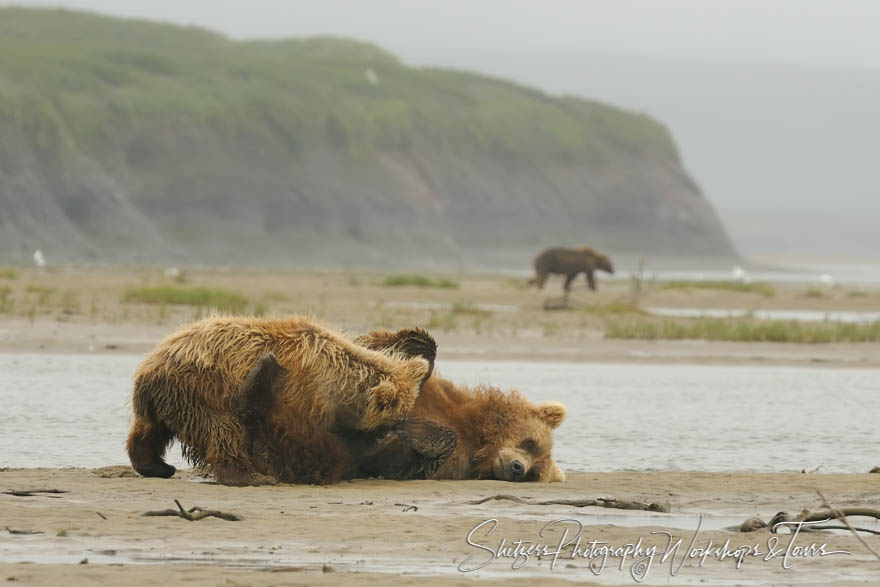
(368, 531)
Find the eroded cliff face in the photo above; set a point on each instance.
(192, 195)
(288, 154)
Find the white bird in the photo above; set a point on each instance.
(740, 274)
(371, 76)
(826, 280)
(39, 258)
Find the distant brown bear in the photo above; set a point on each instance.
(570, 262)
(451, 432)
(190, 388)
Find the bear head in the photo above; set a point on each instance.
(604, 263)
(516, 438)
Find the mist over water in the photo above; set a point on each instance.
(73, 411)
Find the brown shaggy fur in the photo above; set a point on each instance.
(493, 431)
(189, 388)
(571, 263)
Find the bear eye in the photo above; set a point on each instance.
(529, 445)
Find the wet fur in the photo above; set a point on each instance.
(485, 421)
(190, 388)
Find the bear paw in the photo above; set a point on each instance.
(388, 405)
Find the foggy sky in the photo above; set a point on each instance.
(843, 33)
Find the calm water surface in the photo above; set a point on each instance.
(72, 411)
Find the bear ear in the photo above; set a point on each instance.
(552, 413)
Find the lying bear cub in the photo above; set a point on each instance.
(265, 400)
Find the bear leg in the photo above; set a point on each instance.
(413, 449)
(256, 394)
(409, 342)
(431, 440)
(146, 446)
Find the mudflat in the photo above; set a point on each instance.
(368, 531)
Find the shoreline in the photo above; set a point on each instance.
(365, 531)
(47, 335)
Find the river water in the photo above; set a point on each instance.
(72, 411)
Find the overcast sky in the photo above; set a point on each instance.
(829, 32)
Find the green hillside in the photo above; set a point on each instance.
(69, 77)
(81, 87)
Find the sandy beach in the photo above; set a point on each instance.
(365, 531)
(369, 532)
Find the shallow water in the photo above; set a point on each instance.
(72, 411)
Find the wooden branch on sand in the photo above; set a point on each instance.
(828, 513)
(194, 514)
(842, 517)
(34, 492)
(821, 515)
(22, 532)
(620, 504)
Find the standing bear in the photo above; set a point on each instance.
(191, 388)
(571, 263)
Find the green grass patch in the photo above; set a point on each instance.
(857, 294)
(201, 297)
(7, 273)
(467, 308)
(415, 280)
(71, 77)
(743, 330)
(6, 301)
(44, 293)
(764, 289)
(614, 308)
(814, 292)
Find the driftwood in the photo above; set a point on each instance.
(408, 507)
(34, 492)
(194, 514)
(843, 519)
(828, 513)
(22, 532)
(821, 515)
(856, 528)
(620, 504)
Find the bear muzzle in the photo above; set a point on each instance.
(512, 465)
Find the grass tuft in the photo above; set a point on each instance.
(612, 309)
(6, 301)
(413, 280)
(743, 330)
(764, 289)
(201, 297)
(7, 273)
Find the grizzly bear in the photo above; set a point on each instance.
(191, 388)
(570, 262)
(451, 432)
